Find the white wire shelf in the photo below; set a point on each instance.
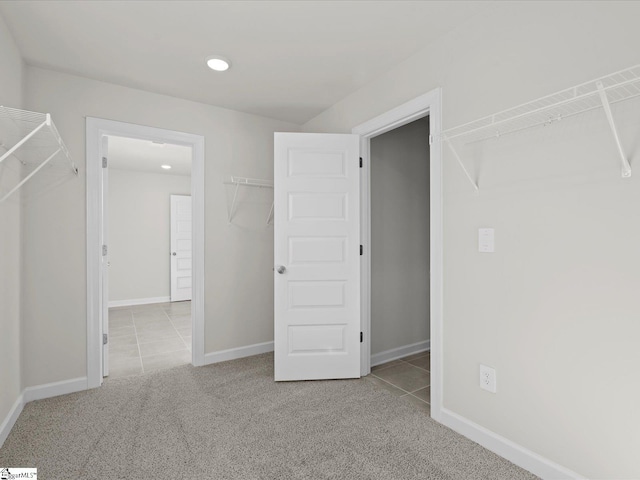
(31, 139)
(247, 182)
(599, 93)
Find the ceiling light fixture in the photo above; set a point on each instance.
(218, 63)
(166, 167)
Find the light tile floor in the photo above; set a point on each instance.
(408, 378)
(147, 338)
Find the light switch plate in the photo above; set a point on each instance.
(486, 242)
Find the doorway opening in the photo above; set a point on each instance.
(130, 252)
(428, 203)
(399, 252)
(148, 279)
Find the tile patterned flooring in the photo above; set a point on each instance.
(146, 338)
(407, 378)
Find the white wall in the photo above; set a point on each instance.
(400, 237)
(11, 90)
(140, 233)
(238, 258)
(556, 309)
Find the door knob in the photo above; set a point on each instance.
(174, 254)
(281, 269)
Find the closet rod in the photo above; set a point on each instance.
(622, 85)
(586, 97)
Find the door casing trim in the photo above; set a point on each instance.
(429, 104)
(95, 129)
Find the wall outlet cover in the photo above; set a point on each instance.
(487, 378)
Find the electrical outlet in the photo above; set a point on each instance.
(487, 378)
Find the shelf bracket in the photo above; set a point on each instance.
(464, 169)
(233, 203)
(21, 142)
(247, 182)
(30, 175)
(270, 213)
(626, 167)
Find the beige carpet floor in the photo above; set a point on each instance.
(232, 421)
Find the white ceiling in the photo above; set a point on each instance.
(291, 59)
(145, 156)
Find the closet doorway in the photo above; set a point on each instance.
(399, 252)
(144, 306)
(411, 209)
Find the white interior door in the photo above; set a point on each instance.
(180, 247)
(105, 256)
(317, 256)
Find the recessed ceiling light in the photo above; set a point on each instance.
(166, 167)
(217, 63)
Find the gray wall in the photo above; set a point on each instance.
(238, 258)
(140, 232)
(400, 237)
(11, 88)
(556, 308)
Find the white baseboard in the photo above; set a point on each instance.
(54, 389)
(38, 392)
(395, 353)
(138, 301)
(240, 352)
(12, 417)
(534, 463)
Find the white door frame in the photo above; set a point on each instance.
(104, 272)
(95, 129)
(427, 104)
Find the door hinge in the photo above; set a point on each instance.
(430, 139)
(361, 337)
(104, 162)
(360, 162)
(105, 338)
(104, 250)
(361, 249)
